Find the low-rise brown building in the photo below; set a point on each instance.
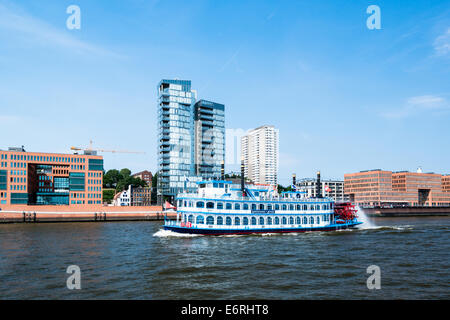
(379, 188)
(141, 196)
(145, 175)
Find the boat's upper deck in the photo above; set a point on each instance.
(225, 190)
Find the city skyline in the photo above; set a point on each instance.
(345, 98)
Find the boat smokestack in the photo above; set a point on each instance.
(318, 186)
(242, 178)
(293, 179)
(222, 171)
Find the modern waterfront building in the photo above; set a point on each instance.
(209, 122)
(36, 178)
(259, 152)
(386, 188)
(330, 188)
(182, 147)
(176, 136)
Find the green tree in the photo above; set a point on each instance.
(155, 180)
(111, 178)
(125, 173)
(283, 189)
(120, 180)
(108, 195)
(154, 195)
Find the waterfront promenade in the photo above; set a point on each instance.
(407, 211)
(24, 213)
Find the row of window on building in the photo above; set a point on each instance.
(77, 167)
(18, 172)
(14, 187)
(22, 157)
(210, 220)
(94, 174)
(17, 164)
(94, 202)
(18, 179)
(254, 206)
(77, 195)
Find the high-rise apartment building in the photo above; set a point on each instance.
(189, 141)
(259, 152)
(209, 122)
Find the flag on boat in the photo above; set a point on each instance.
(168, 205)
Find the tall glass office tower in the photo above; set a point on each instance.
(183, 126)
(209, 119)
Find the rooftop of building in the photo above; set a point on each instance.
(212, 104)
(141, 172)
(406, 172)
(264, 126)
(22, 150)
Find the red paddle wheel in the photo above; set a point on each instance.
(345, 211)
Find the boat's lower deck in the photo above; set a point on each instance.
(249, 230)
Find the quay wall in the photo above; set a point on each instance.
(407, 211)
(29, 214)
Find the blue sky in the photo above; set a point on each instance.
(345, 98)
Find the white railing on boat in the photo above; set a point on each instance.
(275, 199)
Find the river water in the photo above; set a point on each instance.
(136, 260)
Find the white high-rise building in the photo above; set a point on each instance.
(259, 151)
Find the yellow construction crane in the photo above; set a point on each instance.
(90, 149)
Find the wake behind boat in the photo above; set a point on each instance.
(219, 208)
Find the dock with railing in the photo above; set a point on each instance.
(31, 214)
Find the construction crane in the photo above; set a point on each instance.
(90, 150)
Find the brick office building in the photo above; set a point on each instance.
(36, 178)
(379, 187)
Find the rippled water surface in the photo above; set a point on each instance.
(136, 260)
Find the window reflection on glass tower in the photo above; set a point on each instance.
(191, 140)
(209, 118)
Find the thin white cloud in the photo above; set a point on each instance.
(442, 44)
(430, 104)
(21, 26)
(6, 119)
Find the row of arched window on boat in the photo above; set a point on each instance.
(220, 220)
(253, 206)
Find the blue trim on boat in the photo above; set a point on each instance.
(208, 231)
